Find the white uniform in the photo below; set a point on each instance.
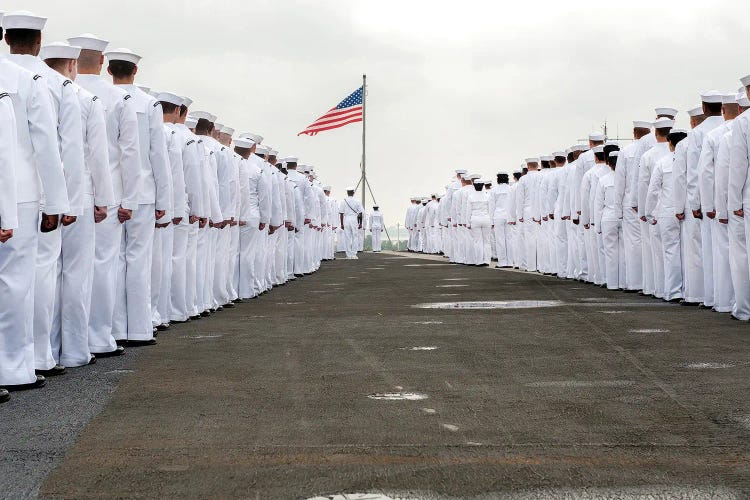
(125, 168)
(607, 224)
(376, 228)
(653, 263)
(500, 218)
(738, 199)
(627, 187)
(132, 318)
(70, 333)
(659, 208)
(40, 182)
(350, 208)
(49, 247)
(476, 211)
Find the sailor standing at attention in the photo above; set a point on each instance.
(23, 34)
(350, 218)
(41, 196)
(70, 333)
(376, 227)
(132, 319)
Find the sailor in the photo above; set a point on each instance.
(333, 224)
(652, 253)
(739, 196)
(626, 186)
(376, 227)
(38, 170)
(478, 211)
(23, 33)
(265, 193)
(559, 200)
(715, 240)
(445, 217)
(249, 217)
(185, 232)
(569, 213)
(590, 249)
(687, 191)
(659, 211)
(232, 244)
(124, 163)
(530, 215)
(513, 228)
(607, 222)
(70, 333)
(350, 218)
(132, 319)
(585, 163)
(500, 201)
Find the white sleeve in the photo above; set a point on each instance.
(738, 166)
(69, 129)
(98, 155)
(8, 154)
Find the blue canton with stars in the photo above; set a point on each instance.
(355, 99)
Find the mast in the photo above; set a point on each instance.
(364, 128)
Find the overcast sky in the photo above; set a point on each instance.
(472, 84)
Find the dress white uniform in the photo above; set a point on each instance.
(607, 223)
(477, 212)
(739, 199)
(350, 209)
(125, 168)
(40, 183)
(70, 332)
(653, 263)
(500, 201)
(659, 208)
(627, 187)
(376, 228)
(132, 317)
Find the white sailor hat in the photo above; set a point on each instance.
(678, 131)
(153, 93)
(219, 127)
(531, 160)
(290, 159)
(24, 20)
(326, 188)
(596, 136)
(560, 154)
(475, 176)
(581, 147)
(483, 181)
(187, 102)
(729, 99)
(272, 152)
(611, 143)
(598, 149)
(227, 130)
(170, 98)
(666, 111)
(143, 88)
(256, 138)
(742, 100)
(263, 150)
(712, 96)
(191, 122)
(89, 41)
(59, 50)
(695, 111)
(203, 115)
(546, 158)
(614, 153)
(664, 123)
(642, 124)
(123, 54)
(745, 80)
(350, 188)
(243, 143)
(460, 171)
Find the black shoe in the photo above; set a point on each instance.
(40, 382)
(704, 306)
(163, 327)
(180, 322)
(117, 352)
(220, 308)
(52, 372)
(676, 300)
(686, 303)
(298, 275)
(92, 361)
(140, 343)
(229, 305)
(4, 396)
(237, 301)
(155, 332)
(205, 314)
(193, 318)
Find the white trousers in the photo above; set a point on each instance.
(376, 239)
(191, 270)
(167, 270)
(647, 259)
(108, 239)
(631, 232)
(17, 275)
(481, 239)
(70, 331)
(738, 264)
(351, 233)
(221, 266)
(693, 264)
(49, 247)
(707, 259)
(280, 256)
(290, 253)
(530, 234)
(592, 254)
(501, 241)
(156, 276)
(611, 240)
(132, 315)
(178, 289)
(250, 247)
(669, 228)
(233, 273)
(722, 278)
(201, 267)
(657, 260)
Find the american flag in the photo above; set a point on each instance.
(347, 111)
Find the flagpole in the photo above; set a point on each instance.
(364, 123)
